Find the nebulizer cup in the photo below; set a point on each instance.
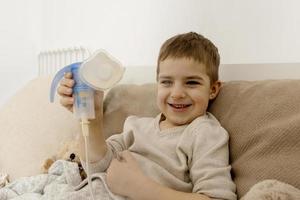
(99, 72)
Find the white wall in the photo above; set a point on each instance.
(19, 43)
(131, 30)
(253, 31)
(245, 31)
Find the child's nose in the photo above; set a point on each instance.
(177, 92)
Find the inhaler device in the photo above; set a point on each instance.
(99, 72)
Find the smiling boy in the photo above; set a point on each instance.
(183, 152)
(184, 91)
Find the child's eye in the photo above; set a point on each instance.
(193, 83)
(166, 82)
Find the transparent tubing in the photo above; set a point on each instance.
(85, 130)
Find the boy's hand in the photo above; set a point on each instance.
(65, 91)
(124, 176)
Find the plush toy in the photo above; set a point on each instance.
(69, 152)
(272, 189)
(3, 180)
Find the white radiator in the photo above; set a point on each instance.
(50, 61)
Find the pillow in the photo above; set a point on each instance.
(128, 99)
(263, 121)
(32, 129)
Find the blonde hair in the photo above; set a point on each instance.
(195, 46)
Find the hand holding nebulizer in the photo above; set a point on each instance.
(99, 72)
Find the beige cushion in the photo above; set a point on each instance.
(32, 129)
(263, 120)
(124, 100)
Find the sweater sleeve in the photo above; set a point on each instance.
(115, 143)
(209, 167)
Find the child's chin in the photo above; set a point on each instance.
(181, 122)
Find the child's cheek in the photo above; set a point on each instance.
(202, 102)
(161, 97)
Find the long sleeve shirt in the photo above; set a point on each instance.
(187, 158)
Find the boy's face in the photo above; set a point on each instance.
(184, 91)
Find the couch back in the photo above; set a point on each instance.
(262, 118)
(263, 122)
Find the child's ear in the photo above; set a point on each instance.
(214, 89)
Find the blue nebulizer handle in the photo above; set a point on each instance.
(83, 107)
(100, 71)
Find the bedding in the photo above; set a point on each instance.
(63, 182)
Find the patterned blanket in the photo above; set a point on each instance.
(62, 182)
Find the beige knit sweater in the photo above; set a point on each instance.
(189, 158)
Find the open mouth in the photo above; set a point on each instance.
(179, 106)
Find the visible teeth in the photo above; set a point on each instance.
(179, 105)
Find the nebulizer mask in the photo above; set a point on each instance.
(99, 72)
